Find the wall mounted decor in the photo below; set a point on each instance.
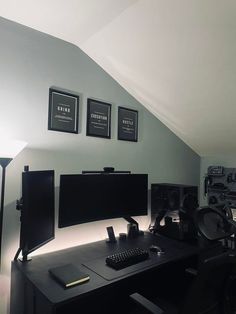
(127, 124)
(63, 111)
(98, 118)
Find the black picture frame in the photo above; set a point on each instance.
(98, 118)
(127, 124)
(63, 112)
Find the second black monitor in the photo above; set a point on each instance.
(38, 213)
(91, 197)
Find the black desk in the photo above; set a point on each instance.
(34, 291)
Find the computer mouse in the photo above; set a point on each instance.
(156, 249)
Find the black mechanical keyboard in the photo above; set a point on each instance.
(127, 258)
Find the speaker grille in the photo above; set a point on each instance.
(173, 197)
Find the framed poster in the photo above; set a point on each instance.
(127, 124)
(63, 111)
(98, 118)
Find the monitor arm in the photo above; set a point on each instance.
(131, 221)
(24, 258)
(19, 207)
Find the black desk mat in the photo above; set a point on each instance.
(99, 266)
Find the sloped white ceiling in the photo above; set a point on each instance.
(178, 58)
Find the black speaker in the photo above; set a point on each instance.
(170, 197)
(176, 203)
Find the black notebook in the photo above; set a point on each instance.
(68, 275)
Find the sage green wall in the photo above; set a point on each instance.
(30, 63)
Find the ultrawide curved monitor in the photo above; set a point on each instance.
(91, 197)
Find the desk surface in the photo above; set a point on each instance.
(36, 271)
